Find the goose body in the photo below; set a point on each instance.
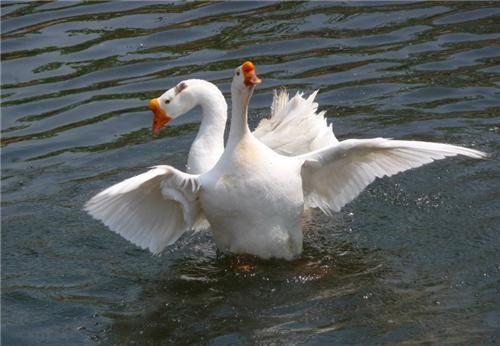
(246, 173)
(257, 210)
(253, 198)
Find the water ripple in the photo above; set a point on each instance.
(413, 260)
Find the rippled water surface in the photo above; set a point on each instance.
(415, 259)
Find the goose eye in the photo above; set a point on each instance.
(167, 102)
(237, 73)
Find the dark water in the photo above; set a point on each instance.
(414, 260)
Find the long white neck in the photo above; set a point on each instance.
(208, 145)
(239, 117)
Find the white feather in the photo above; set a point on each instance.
(295, 127)
(254, 197)
(334, 176)
(151, 210)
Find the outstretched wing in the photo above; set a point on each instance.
(295, 127)
(334, 176)
(151, 210)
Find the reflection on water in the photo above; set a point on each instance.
(413, 260)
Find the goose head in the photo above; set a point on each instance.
(245, 79)
(171, 104)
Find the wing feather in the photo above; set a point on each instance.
(334, 176)
(295, 127)
(151, 210)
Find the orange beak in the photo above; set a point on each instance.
(251, 78)
(160, 118)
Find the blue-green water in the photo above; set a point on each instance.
(414, 260)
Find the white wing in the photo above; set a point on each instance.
(334, 176)
(151, 210)
(295, 127)
(279, 102)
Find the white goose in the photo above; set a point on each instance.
(293, 128)
(253, 198)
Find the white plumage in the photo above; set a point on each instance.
(336, 175)
(146, 211)
(253, 198)
(294, 126)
